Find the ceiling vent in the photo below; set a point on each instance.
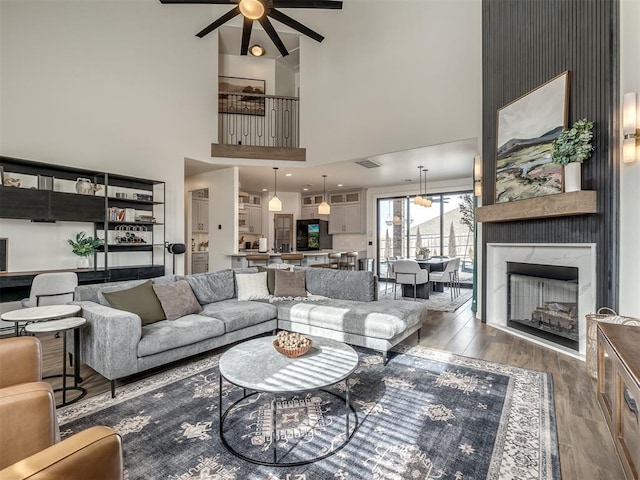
(368, 163)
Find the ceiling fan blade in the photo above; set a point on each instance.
(273, 35)
(326, 4)
(220, 21)
(205, 2)
(247, 25)
(296, 25)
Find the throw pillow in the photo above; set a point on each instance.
(141, 300)
(271, 273)
(177, 299)
(252, 286)
(290, 284)
(212, 286)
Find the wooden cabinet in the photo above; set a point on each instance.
(619, 390)
(200, 262)
(128, 213)
(347, 213)
(200, 215)
(310, 204)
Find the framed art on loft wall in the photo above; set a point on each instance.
(238, 96)
(527, 128)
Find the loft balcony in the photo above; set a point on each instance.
(258, 127)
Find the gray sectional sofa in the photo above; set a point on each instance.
(116, 344)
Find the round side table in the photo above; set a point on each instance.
(37, 314)
(62, 325)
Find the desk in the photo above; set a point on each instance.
(63, 325)
(39, 314)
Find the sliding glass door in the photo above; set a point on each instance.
(445, 228)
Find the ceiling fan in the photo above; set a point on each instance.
(260, 10)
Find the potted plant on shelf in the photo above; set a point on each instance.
(84, 247)
(570, 149)
(423, 253)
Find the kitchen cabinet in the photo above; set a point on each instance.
(255, 219)
(347, 213)
(200, 215)
(250, 213)
(199, 262)
(309, 209)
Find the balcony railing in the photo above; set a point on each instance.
(258, 120)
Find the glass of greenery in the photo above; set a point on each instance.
(84, 246)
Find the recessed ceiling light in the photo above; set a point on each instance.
(288, 174)
(256, 50)
(305, 189)
(265, 189)
(339, 185)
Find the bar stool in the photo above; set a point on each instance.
(349, 262)
(257, 258)
(334, 260)
(292, 258)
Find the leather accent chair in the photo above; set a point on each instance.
(30, 445)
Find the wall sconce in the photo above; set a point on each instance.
(477, 176)
(630, 131)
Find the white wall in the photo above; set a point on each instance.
(223, 213)
(629, 172)
(285, 80)
(389, 76)
(115, 86)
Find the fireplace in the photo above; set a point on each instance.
(580, 256)
(542, 300)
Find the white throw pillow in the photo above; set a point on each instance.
(252, 286)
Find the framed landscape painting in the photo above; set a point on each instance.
(236, 95)
(527, 128)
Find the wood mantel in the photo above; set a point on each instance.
(258, 153)
(559, 205)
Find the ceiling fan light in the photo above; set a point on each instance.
(324, 208)
(275, 204)
(256, 50)
(252, 9)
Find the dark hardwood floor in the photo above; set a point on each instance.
(586, 448)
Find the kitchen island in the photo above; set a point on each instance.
(311, 257)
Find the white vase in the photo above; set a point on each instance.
(83, 262)
(573, 177)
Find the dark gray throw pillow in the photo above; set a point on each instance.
(290, 284)
(271, 278)
(177, 299)
(141, 300)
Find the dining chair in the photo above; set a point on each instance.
(408, 272)
(447, 276)
(389, 273)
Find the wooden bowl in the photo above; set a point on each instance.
(292, 352)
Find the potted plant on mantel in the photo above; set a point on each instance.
(84, 247)
(570, 149)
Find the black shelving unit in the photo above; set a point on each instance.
(42, 201)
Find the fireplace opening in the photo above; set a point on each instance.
(542, 300)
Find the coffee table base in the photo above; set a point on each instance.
(349, 409)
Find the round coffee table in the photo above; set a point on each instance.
(62, 325)
(256, 365)
(39, 314)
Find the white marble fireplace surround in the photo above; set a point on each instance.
(580, 255)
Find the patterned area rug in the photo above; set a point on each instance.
(440, 301)
(425, 415)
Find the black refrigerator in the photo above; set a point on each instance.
(313, 235)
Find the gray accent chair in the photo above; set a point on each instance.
(448, 276)
(51, 289)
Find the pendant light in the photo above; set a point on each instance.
(426, 201)
(324, 208)
(418, 198)
(275, 205)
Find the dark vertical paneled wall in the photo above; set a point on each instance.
(524, 44)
